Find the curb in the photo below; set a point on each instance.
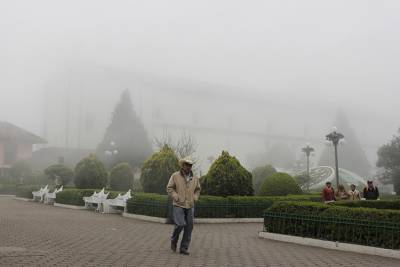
(69, 206)
(7, 195)
(23, 199)
(383, 252)
(144, 218)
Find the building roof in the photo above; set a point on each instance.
(11, 132)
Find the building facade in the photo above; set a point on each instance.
(16, 144)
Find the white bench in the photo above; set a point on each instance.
(96, 198)
(110, 205)
(40, 194)
(50, 197)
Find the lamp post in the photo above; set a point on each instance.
(334, 137)
(308, 150)
(112, 151)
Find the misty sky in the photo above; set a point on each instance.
(344, 53)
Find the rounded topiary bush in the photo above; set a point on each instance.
(121, 177)
(21, 172)
(157, 170)
(227, 177)
(279, 184)
(259, 175)
(90, 173)
(59, 172)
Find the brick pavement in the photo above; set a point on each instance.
(33, 234)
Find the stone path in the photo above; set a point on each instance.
(33, 234)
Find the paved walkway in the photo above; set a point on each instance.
(33, 234)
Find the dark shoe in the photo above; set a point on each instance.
(184, 252)
(173, 247)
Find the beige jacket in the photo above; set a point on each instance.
(354, 195)
(183, 193)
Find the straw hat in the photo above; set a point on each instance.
(186, 160)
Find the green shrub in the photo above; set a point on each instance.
(6, 178)
(21, 172)
(381, 204)
(210, 206)
(157, 170)
(25, 191)
(259, 175)
(389, 197)
(8, 189)
(75, 196)
(227, 177)
(363, 232)
(121, 177)
(279, 184)
(90, 173)
(364, 226)
(59, 172)
(298, 207)
(148, 204)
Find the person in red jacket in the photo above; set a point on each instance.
(328, 193)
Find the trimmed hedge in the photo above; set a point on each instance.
(59, 172)
(211, 206)
(227, 177)
(260, 174)
(25, 191)
(157, 170)
(374, 204)
(8, 189)
(75, 196)
(279, 184)
(365, 226)
(149, 204)
(240, 206)
(90, 173)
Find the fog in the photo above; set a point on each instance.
(279, 68)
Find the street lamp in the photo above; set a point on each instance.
(112, 151)
(308, 150)
(335, 138)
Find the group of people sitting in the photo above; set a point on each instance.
(329, 195)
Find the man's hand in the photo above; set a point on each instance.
(175, 197)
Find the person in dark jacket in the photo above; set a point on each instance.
(371, 192)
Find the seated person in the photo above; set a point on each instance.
(328, 194)
(354, 194)
(341, 193)
(371, 192)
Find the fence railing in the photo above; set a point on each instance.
(148, 208)
(230, 210)
(384, 234)
(202, 210)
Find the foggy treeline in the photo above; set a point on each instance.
(244, 77)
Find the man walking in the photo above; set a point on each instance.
(184, 189)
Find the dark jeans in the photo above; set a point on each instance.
(183, 219)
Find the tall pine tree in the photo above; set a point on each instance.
(125, 139)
